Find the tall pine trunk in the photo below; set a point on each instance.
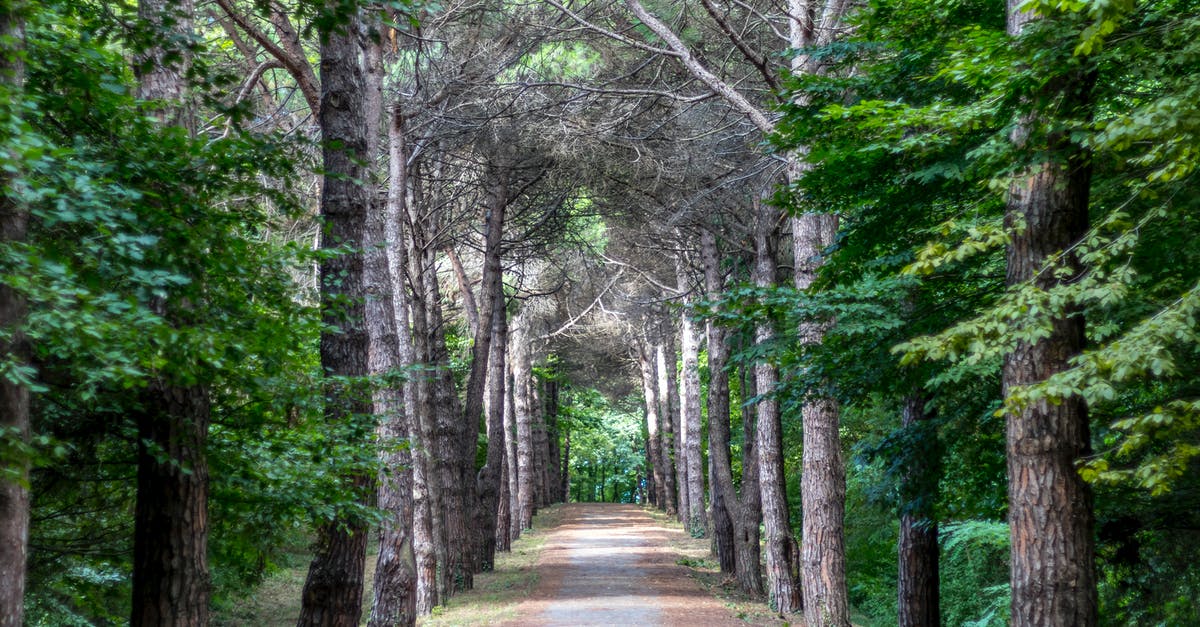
(743, 513)
(14, 396)
(690, 415)
(783, 591)
(654, 447)
(667, 418)
(490, 482)
(522, 363)
(170, 549)
(823, 483)
(333, 589)
(1050, 506)
(918, 587)
(395, 589)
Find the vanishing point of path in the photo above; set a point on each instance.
(611, 564)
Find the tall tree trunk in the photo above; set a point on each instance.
(504, 505)
(491, 477)
(522, 382)
(918, 590)
(1050, 506)
(395, 589)
(553, 453)
(690, 416)
(783, 591)
(14, 396)
(667, 417)
(565, 481)
(333, 589)
(449, 463)
(426, 513)
(654, 446)
(483, 487)
(511, 454)
(823, 483)
(743, 513)
(539, 445)
(170, 550)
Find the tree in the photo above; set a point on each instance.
(334, 586)
(14, 386)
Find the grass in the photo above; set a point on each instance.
(276, 602)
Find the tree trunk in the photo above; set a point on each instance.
(490, 478)
(14, 396)
(426, 514)
(511, 455)
(333, 589)
(522, 382)
(918, 586)
(565, 481)
(667, 419)
(1050, 506)
(689, 404)
(553, 453)
(539, 445)
(504, 507)
(823, 483)
(783, 591)
(654, 445)
(395, 589)
(743, 513)
(170, 550)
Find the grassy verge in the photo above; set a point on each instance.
(497, 594)
(696, 555)
(276, 602)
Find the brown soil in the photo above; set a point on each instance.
(611, 564)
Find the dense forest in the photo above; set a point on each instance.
(891, 299)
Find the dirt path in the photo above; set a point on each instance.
(611, 564)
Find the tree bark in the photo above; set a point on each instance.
(918, 586)
(333, 589)
(553, 453)
(667, 418)
(14, 396)
(170, 551)
(823, 486)
(522, 382)
(653, 422)
(743, 513)
(783, 591)
(395, 589)
(489, 482)
(512, 453)
(689, 403)
(1050, 506)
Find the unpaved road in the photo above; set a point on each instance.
(610, 564)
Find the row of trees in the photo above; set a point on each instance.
(925, 261)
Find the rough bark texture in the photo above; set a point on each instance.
(823, 487)
(14, 397)
(783, 591)
(511, 453)
(523, 405)
(1050, 506)
(689, 403)
(654, 447)
(489, 482)
(170, 550)
(667, 418)
(170, 558)
(333, 590)
(395, 589)
(744, 513)
(918, 590)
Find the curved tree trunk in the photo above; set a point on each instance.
(744, 513)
